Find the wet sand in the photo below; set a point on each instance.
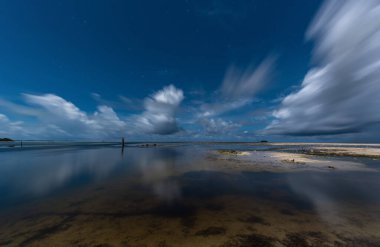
(333, 149)
(281, 162)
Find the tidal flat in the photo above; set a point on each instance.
(190, 194)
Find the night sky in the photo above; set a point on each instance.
(190, 70)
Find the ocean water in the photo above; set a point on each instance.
(96, 194)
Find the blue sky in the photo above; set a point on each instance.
(187, 70)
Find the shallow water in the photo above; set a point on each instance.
(97, 195)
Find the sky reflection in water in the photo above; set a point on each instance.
(173, 173)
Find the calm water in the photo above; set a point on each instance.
(89, 195)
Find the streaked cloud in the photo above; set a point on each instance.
(244, 84)
(341, 94)
(238, 88)
(226, 13)
(19, 109)
(119, 103)
(216, 109)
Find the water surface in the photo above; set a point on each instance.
(170, 195)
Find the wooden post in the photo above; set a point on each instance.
(122, 147)
(21, 143)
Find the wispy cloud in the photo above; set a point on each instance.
(238, 88)
(224, 12)
(218, 126)
(222, 106)
(10, 128)
(119, 103)
(19, 109)
(341, 94)
(246, 83)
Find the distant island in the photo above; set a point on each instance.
(6, 140)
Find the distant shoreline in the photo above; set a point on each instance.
(6, 140)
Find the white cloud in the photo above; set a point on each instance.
(55, 117)
(57, 106)
(159, 116)
(62, 118)
(341, 94)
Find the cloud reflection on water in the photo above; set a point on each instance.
(337, 198)
(166, 172)
(160, 167)
(38, 173)
(156, 166)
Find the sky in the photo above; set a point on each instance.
(190, 70)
